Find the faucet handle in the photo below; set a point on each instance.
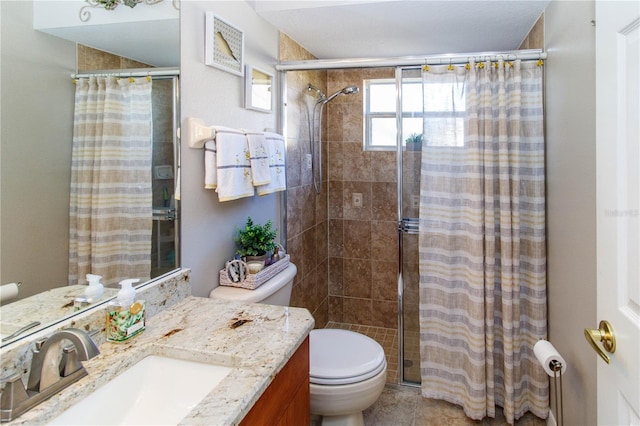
(38, 344)
(69, 363)
(13, 393)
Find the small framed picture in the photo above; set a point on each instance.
(224, 45)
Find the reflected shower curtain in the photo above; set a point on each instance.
(482, 238)
(111, 199)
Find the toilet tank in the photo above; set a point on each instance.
(276, 291)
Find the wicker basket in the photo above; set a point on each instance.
(253, 281)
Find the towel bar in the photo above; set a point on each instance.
(198, 133)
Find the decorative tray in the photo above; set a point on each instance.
(253, 281)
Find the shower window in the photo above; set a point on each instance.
(380, 112)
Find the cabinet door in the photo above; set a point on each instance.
(286, 401)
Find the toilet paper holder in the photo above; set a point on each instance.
(556, 367)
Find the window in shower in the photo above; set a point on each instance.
(380, 113)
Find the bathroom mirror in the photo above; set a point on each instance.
(258, 91)
(37, 126)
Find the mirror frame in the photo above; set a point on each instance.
(248, 89)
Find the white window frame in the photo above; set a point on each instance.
(370, 116)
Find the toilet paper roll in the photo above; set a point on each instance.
(546, 354)
(8, 292)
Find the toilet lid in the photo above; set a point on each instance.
(340, 357)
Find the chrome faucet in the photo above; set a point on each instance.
(48, 375)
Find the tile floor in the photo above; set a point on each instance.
(403, 405)
(388, 339)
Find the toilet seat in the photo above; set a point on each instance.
(339, 357)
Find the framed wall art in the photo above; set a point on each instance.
(224, 45)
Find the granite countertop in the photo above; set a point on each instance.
(255, 340)
(46, 307)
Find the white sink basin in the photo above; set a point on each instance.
(155, 391)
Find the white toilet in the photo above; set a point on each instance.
(348, 370)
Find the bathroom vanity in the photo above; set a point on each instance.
(265, 347)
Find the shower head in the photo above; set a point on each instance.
(349, 90)
(321, 95)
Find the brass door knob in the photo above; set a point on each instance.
(603, 334)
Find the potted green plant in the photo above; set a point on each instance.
(414, 142)
(255, 241)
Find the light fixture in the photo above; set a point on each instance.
(85, 14)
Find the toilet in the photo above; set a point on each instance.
(348, 370)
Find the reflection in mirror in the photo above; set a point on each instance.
(45, 308)
(37, 132)
(123, 206)
(258, 89)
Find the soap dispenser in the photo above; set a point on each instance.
(125, 315)
(95, 288)
(127, 293)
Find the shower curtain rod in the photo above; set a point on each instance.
(133, 72)
(457, 58)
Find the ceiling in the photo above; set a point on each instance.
(344, 29)
(157, 42)
(380, 29)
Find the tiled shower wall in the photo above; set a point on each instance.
(90, 59)
(363, 241)
(347, 257)
(307, 224)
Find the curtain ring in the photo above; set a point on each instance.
(450, 67)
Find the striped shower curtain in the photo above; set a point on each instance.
(482, 238)
(111, 199)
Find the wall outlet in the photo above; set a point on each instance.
(308, 159)
(357, 200)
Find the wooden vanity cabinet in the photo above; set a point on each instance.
(286, 400)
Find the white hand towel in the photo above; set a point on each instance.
(210, 165)
(276, 147)
(259, 158)
(233, 164)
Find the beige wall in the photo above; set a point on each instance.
(217, 97)
(37, 116)
(571, 210)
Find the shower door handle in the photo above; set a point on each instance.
(409, 225)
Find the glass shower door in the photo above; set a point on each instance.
(410, 153)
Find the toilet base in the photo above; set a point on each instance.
(342, 405)
(353, 419)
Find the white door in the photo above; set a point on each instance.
(618, 196)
